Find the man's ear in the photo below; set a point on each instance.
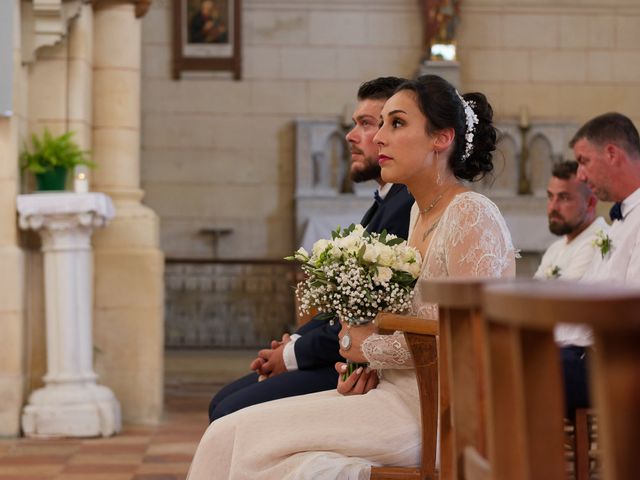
(443, 139)
(614, 154)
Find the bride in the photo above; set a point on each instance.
(430, 139)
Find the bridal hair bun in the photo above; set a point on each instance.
(469, 115)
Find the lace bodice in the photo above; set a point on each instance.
(471, 240)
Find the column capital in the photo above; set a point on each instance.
(64, 219)
(141, 6)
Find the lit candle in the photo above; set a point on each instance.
(81, 183)
(524, 117)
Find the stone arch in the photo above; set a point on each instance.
(539, 162)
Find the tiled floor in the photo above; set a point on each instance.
(139, 452)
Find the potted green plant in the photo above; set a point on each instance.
(51, 158)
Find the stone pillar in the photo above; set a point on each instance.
(129, 264)
(12, 288)
(71, 403)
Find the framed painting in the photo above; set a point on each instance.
(206, 36)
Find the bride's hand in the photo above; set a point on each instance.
(357, 334)
(359, 382)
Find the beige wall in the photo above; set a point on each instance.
(219, 153)
(570, 59)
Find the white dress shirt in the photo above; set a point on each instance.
(572, 260)
(621, 265)
(288, 353)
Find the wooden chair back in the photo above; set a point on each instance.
(614, 315)
(526, 388)
(421, 335)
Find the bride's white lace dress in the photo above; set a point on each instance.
(327, 436)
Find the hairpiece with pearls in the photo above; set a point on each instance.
(471, 119)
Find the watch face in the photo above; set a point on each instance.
(346, 342)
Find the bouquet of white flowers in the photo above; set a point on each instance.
(357, 274)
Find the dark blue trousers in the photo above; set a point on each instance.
(247, 391)
(576, 379)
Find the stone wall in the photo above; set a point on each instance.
(228, 304)
(568, 60)
(220, 154)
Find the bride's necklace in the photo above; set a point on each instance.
(430, 229)
(432, 205)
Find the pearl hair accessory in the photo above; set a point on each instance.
(471, 119)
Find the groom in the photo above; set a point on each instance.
(305, 361)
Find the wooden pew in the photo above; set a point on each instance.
(460, 330)
(421, 336)
(529, 394)
(462, 370)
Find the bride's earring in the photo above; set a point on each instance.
(439, 179)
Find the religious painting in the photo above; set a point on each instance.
(206, 36)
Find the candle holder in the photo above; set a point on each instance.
(524, 184)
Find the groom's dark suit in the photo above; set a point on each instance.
(317, 348)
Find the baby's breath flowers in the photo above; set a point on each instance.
(357, 274)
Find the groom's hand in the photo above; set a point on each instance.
(270, 361)
(359, 382)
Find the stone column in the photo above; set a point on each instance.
(129, 264)
(71, 403)
(12, 288)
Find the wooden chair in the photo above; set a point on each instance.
(461, 409)
(526, 387)
(421, 336)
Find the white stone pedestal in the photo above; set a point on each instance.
(71, 404)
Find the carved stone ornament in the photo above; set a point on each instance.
(49, 21)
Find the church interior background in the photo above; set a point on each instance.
(214, 179)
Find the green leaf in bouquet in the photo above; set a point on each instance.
(360, 254)
(383, 236)
(326, 316)
(395, 241)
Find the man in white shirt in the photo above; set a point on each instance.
(607, 149)
(571, 208)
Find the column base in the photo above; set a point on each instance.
(72, 411)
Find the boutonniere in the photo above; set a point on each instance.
(552, 272)
(602, 241)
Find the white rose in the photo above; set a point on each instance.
(350, 244)
(383, 275)
(386, 256)
(371, 253)
(319, 247)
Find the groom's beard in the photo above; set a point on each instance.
(370, 171)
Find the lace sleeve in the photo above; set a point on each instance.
(387, 351)
(477, 241)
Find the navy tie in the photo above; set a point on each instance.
(616, 212)
(377, 197)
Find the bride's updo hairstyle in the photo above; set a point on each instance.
(440, 103)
